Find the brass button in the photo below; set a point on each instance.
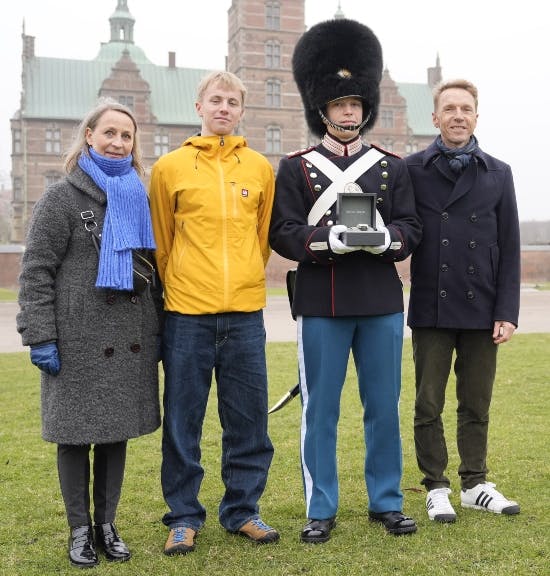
(384, 174)
(383, 186)
(313, 174)
(317, 187)
(384, 163)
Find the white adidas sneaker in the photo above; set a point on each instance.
(486, 497)
(438, 506)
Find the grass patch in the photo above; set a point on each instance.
(33, 530)
(7, 295)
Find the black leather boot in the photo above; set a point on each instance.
(82, 552)
(107, 538)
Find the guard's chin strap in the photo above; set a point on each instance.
(343, 128)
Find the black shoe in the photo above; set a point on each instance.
(396, 523)
(81, 547)
(317, 531)
(107, 538)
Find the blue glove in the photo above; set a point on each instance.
(46, 357)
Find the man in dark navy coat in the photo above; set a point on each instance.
(347, 298)
(465, 283)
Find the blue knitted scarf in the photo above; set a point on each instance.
(458, 158)
(127, 222)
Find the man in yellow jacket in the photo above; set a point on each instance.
(211, 202)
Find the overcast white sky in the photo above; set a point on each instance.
(503, 46)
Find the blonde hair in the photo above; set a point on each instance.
(458, 83)
(80, 146)
(226, 79)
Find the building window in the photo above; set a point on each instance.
(273, 93)
(162, 143)
(273, 140)
(411, 147)
(272, 16)
(52, 177)
(272, 54)
(387, 145)
(17, 189)
(53, 140)
(386, 118)
(16, 144)
(127, 101)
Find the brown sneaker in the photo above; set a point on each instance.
(181, 540)
(259, 532)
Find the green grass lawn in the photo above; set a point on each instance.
(33, 531)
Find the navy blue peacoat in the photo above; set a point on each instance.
(465, 273)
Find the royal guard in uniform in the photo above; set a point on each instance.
(346, 297)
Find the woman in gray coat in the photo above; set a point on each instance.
(93, 334)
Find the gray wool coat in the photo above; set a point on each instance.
(107, 389)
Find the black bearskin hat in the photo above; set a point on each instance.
(335, 59)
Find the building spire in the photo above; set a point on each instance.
(339, 13)
(122, 23)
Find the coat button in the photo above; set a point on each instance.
(135, 347)
(309, 164)
(445, 242)
(471, 269)
(328, 212)
(473, 218)
(444, 267)
(330, 222)
(109, 352)
(110, 299)
(445, 216)
(470, 295)
(443, 293)
(134, 299)
(317, 187)
(313, 174)
(383, 187)
(472, 244)
(384, 174)
(384, 163)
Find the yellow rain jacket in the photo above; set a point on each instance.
(211, 203)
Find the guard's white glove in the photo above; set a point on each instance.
(387, 238)
(336, 245)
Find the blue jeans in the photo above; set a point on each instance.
(232, 346)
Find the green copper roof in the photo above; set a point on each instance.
(67, 89)
(419, 108)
